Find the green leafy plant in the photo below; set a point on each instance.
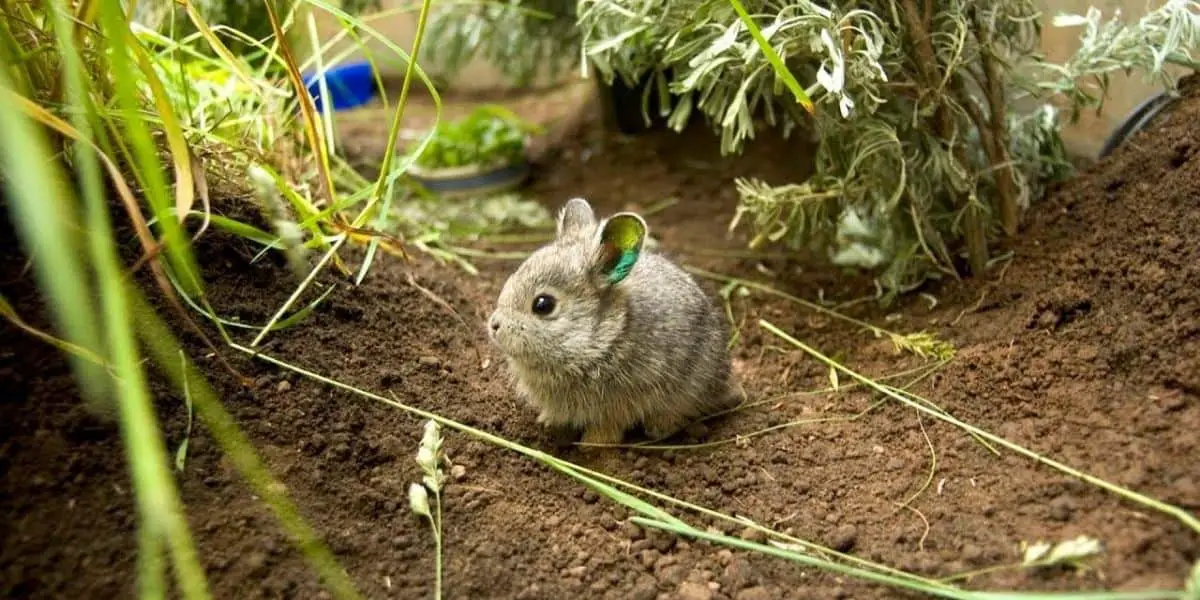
(927, 151)
(522, 38)
(489, 135)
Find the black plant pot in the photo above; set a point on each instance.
(1137, 120)
(622, 104)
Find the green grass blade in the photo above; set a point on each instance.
(144, 153)
(909, 584)
(773, 57)
(45, 221)
(162, 346)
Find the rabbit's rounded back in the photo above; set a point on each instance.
(602, 334)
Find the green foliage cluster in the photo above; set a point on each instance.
(928, 152)
(522, 38)
(487, 136)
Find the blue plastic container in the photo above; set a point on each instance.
(350, 85)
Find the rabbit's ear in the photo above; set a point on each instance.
(620, 246)
(575, 219)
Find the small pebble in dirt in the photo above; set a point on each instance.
(458, 472)
(650, 558)
(430, 362)
(844, 538)
(630, 530)
(284, 386)
(738, 573)
(1061, 508)
(691, 590)
(754, 593)
(663, 542)
(971, 553)
(533, 591)
(590, 497)
(256, 561)
(646, 588)
(895, 464)
(751, 534)
(672, 574)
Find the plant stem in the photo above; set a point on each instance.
(914, 585)
(995, 144)
(1174, 511)
(162, 346)
(926, 60)
(437, 542)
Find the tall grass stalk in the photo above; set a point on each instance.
(107, 78)
(387, 175)
(64, 266)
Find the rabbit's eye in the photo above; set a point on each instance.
(543, 304)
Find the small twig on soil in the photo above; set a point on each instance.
(446, 305)
(983, 296)
(923, 372)
(924, 534)
(932, 468)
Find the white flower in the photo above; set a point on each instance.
(833, 81)
(418, 499)
(432, 437)
(845, 104)
(426, 458)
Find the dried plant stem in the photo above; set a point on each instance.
(976, 231)
(994, 136)
(1181, 515)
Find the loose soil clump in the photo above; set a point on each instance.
(1085, 348)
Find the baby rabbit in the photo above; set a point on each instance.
(601, 334)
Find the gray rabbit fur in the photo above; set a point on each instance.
(601, 334)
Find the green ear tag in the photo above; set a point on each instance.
(621, 245)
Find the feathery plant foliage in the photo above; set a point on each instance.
(522, 38)
(923, 160)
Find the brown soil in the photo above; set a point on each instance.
(1086, 348)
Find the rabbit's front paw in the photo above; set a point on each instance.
(603, 435)
(662, 427)
(551, 419)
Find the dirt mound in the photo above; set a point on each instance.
(1086, 349)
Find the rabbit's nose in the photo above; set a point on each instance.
(494, 324)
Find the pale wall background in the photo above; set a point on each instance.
(1085, 138)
